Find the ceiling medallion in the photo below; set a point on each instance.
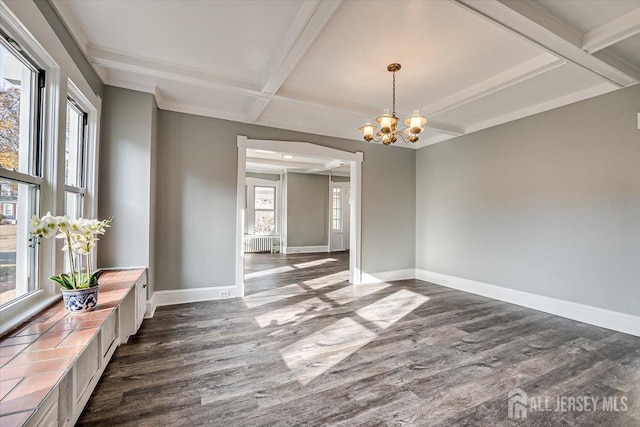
(389, 123)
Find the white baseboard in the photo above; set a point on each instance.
(608, 319)
(151, 309)
(387, 276)
(304, 249)
(184, 296)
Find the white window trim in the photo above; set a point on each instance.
(58, 85)
(252, 183)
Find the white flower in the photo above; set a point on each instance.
(63, 223)
(35, 224)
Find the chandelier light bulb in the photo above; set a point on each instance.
(368, 130)
(385, 122)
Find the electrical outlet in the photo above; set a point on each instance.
(224, 294)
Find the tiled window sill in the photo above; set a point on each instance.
(36, 356)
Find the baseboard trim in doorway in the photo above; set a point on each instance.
(616, 321)
(388, 276)
(305, 249)
(185, 296)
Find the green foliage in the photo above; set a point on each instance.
(82, 280)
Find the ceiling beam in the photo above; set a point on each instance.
(503, 80)
(544, 106)
(160, 70)
(612, 32)
(528, 21)
(307, 25)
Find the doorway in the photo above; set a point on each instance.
(348, 235)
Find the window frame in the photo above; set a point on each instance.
(274, 209)
(60, 74)
(33, 174)
(250, 185)
(82, 172)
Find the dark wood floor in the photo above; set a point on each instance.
(306, 348)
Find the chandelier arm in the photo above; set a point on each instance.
(401, 133)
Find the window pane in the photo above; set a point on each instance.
(17, 95)
(74, 146)
(265, 222)
(265, 197)
(336, 209)
(17, 259)
(73, 203)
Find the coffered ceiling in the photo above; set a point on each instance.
(319, 66)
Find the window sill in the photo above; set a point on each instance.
(21, 310)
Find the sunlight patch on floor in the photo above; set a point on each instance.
(328, 280)
(268, 272)
(272, 295)
(313, 355)
(294, 314)
(351, 293)
(387, 311)
(314, 263)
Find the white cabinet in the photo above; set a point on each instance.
(64, 404)
(141, 301)
(47, 414)
(133, 307)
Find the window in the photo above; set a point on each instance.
(336, 209)
(21, 91)
(74, 166)
(265, 210)
(74, 160)
(8, 210)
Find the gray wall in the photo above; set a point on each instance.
(549, 204)
(59, 27)
(307, 209)
(127, 165)
(196, 199)
(267, 176)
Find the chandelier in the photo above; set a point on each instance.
(389, 123)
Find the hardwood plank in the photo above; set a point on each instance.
(307, 348)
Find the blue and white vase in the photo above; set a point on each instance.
(80, 300)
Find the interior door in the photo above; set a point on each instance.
(339, 216)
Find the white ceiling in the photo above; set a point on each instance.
(263, 161)
(319, 66)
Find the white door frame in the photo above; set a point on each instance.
(302, 149)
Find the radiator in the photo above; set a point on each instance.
(253, 243)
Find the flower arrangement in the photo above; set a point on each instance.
(80, 238)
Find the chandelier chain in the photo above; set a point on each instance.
(394, 94)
